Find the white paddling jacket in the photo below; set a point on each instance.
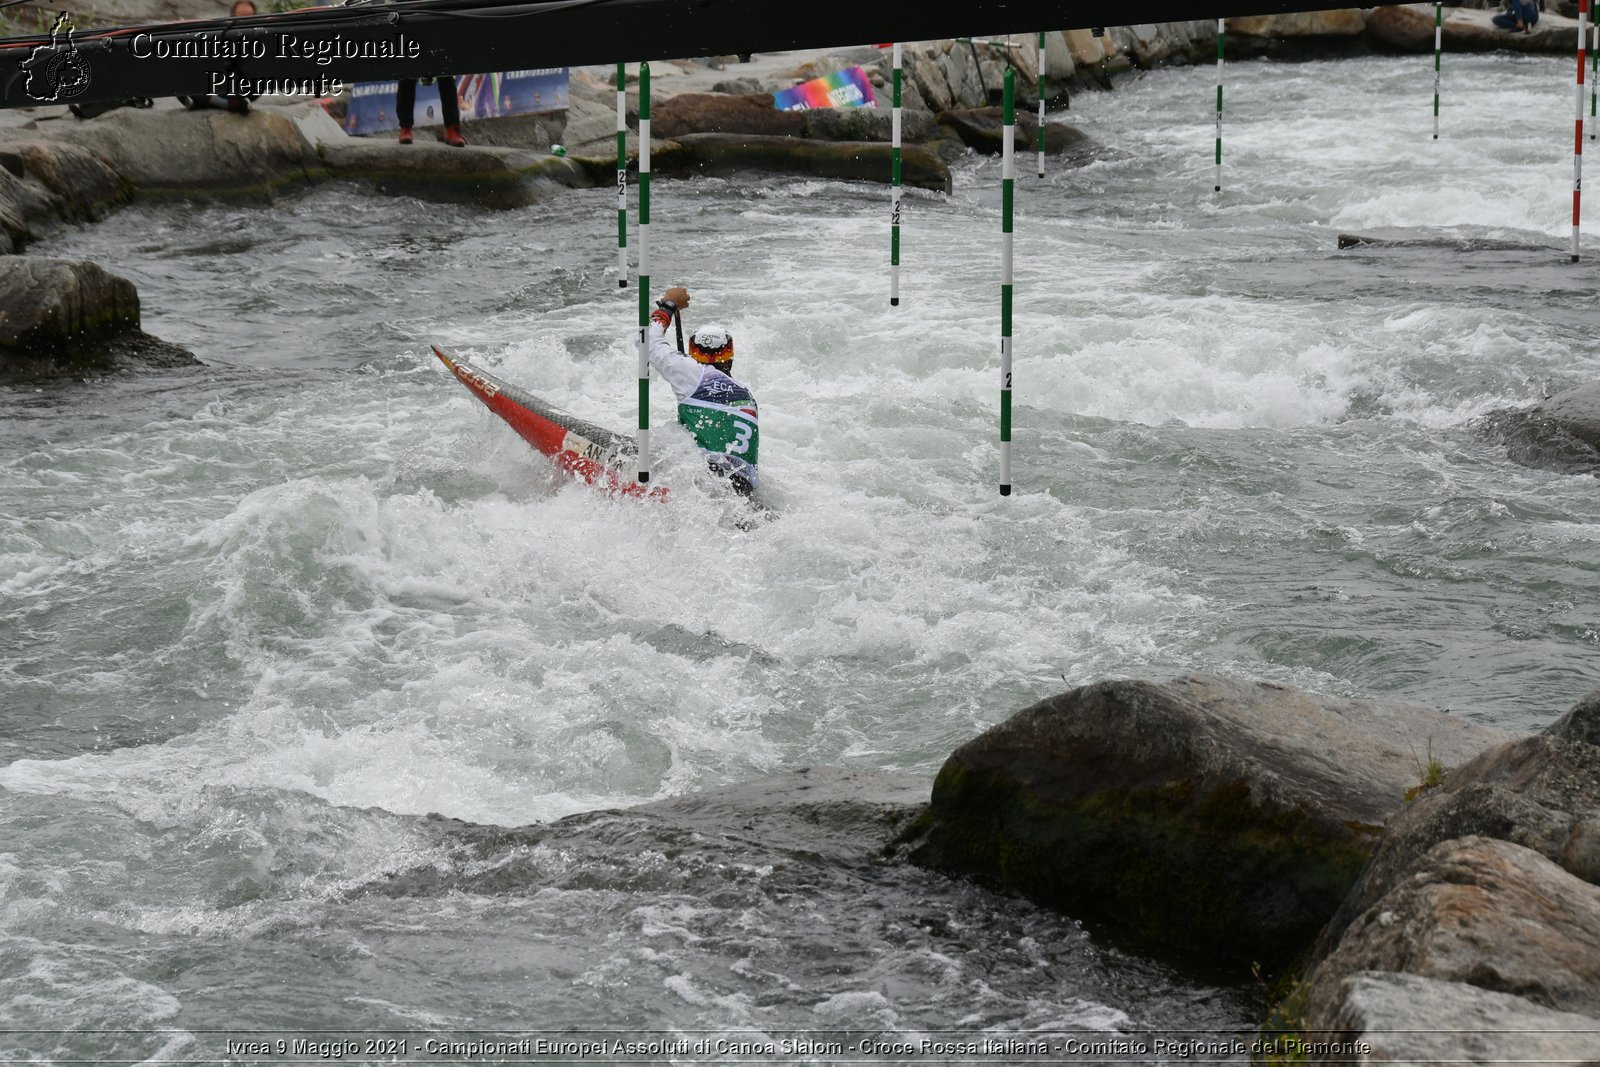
(719, 411)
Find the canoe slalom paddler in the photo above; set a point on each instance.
(712, 405)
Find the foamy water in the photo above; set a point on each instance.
(263, 618)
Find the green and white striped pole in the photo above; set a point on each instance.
(894, 190)
(622, 175)
(1438, 51)
(1220, 32)
(1041, 104)
(644, 273)
(1008, 173)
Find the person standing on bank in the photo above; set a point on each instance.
(405, 106)
(716, 409)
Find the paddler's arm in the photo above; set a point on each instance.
(680, 372)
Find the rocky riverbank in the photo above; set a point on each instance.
(1389, 864)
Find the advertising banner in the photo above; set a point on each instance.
(844, 88)
(482, 96)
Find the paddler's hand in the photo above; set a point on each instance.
(678, 295)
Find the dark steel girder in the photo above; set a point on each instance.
(422, 38)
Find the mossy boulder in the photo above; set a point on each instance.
(1204, 817)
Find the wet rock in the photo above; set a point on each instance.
(731, 153)
(831, 811)
(1478, 911)
(737, 86)
(1203, 816)
(170, 150)
(1342, 22)
(590, 125)
(807, 820)
(63, 317)
(50, 305)
(689, 113)
(498, 177)
(1465, 1024)
(81, 184)
(869, 124)
(981, 129)
(1540, 792)
(1409, 28)
(1309, 35)
(1576, 411)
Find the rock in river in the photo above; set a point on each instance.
(1203, 816)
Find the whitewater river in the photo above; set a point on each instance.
(259, 621)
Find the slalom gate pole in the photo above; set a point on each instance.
(622, 175)
(1220, 33)
(1008, 172)
(894, 190)
(1041, 104)
(644, 273)
(1438, 51)
(1594, 71)
(1577, 148)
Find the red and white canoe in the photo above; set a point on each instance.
(583, 449)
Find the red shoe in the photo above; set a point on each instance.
(452, 136)
(405, 135)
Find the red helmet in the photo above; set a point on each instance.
(711, 344)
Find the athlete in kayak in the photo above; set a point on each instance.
(714, 407)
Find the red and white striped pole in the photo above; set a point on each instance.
(1577, 144)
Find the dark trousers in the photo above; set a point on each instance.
(1521, 11)
(405, 101)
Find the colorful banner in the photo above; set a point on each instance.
(844, 88)
(482, 96)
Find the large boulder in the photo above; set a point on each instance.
(731, 153)
(691, 113)
(1341, 22)
(869, 124)
(81, 184)
(169, 150)
(1478, 911)
(1464, 1024)
(718, 113)
(982, 130)
(59, 316)
(1409, 28)
(1204, 815)
(497, 177)
(1576, 410)
(43, 183)
(48, 304)
(1540, 792)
